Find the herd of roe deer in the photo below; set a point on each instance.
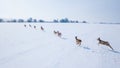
(78, 41)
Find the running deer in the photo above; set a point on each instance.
(55, 32)
(78, 41)
(24, 25)
(34, 27)
(106, 43)
(59, 34)
(42, 28)
(30, 25)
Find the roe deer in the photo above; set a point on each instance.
(42, 28)
(34, 27)
(24, 25)
(78, 41)
(30, 25)
(55, 32)
(59, 34)
(106, 43)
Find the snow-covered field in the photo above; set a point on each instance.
(26, 47)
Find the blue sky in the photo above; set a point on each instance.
(89, 10)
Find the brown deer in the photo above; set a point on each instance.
(55, 32)
(30, 25)
(24, 25)
(59, 34)
(106, 43)
(78, 41)
(34, 27)
(42, 28)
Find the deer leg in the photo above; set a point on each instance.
(76, 42)
(79, 43)
(110, 47)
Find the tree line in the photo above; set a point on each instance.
(32, 20)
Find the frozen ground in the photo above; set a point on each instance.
(26, 47)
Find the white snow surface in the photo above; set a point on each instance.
(26, 47)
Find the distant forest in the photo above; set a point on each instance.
(33, 20)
